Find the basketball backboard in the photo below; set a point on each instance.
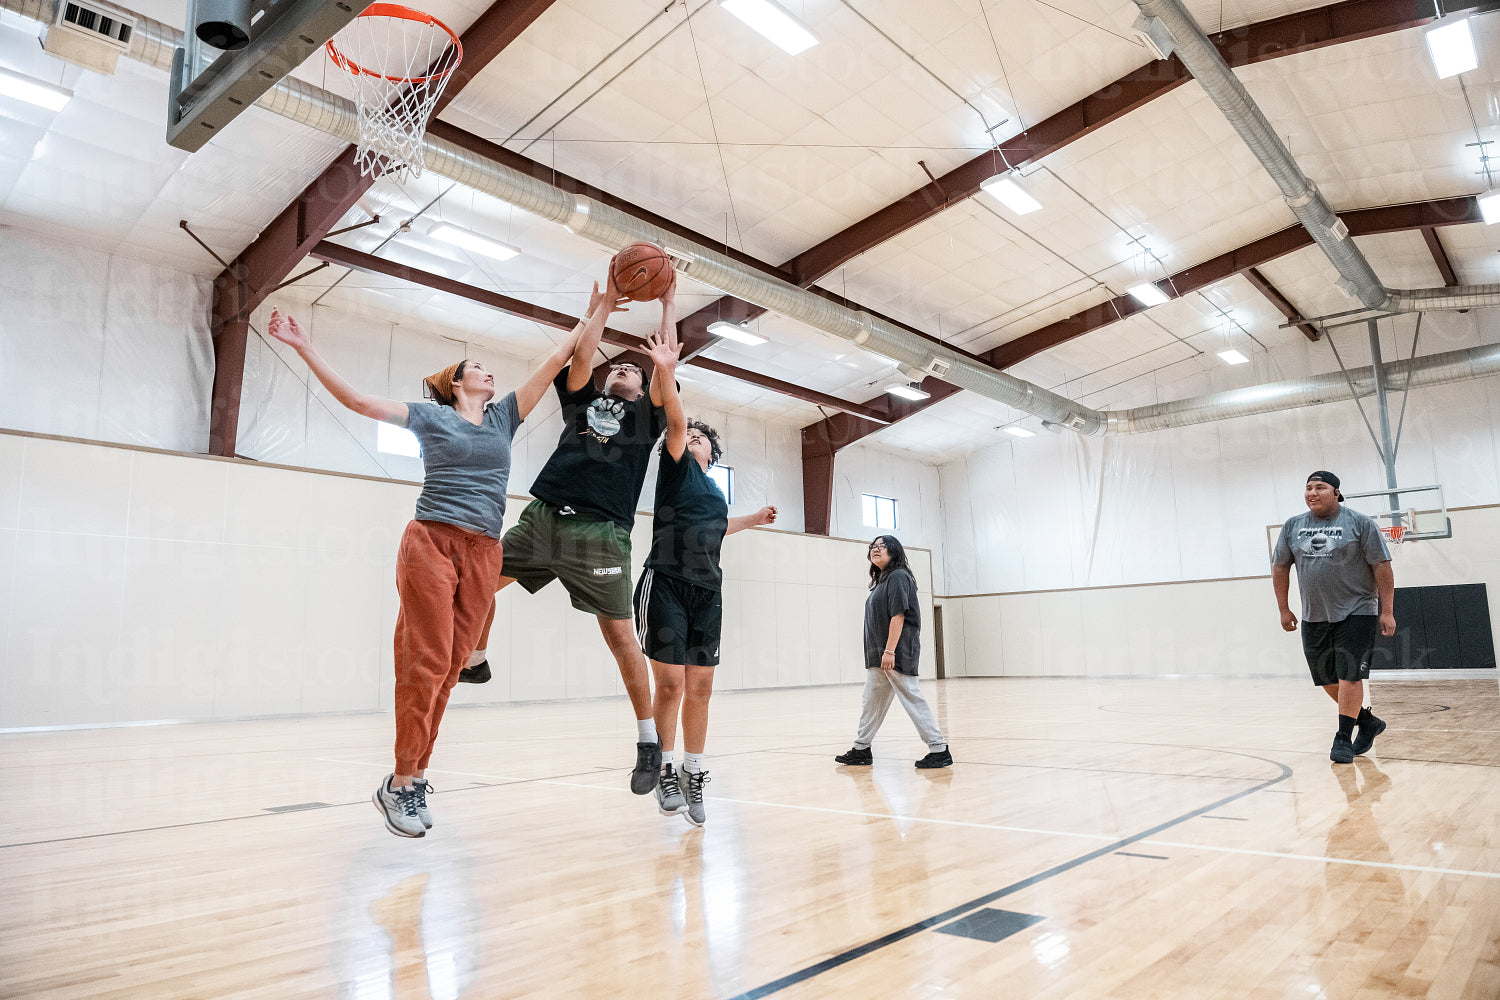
(211, 86)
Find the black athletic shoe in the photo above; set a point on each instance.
(856, 756)
(937, 758)
(1369, 728)
(1343, 750)
(647, 768)
(479, 673)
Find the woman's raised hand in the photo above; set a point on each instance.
(287, 330)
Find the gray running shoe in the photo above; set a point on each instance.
(647, 768)
(695, 782)
(668, 793)
(423, 788)
(399, 807)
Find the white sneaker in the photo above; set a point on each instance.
(424, 788)
(399, 807)
(668, 792)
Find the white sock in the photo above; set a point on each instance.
(692, 762)
(666, 757)
(478, 656)
(645, 731)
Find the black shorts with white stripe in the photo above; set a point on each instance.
(677, 621)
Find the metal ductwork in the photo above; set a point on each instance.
(1301, 195)
(1432, 369)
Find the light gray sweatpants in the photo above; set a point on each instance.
(880, 685)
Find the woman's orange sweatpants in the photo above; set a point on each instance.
(446, 578)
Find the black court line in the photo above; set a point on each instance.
(1153, 857)
(843, 958)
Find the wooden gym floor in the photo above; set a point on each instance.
(1150, 838)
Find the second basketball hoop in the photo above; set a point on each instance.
(398, 61)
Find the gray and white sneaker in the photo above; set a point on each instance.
(423, 788)
(399, 807)
(695, 782)
(668, 793)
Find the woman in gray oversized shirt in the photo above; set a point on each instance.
(450, 555)
(893, 627)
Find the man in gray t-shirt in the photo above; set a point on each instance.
(1348, 593)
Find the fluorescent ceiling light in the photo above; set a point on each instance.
(1010, 194)
(33, 91)
(1452, 49)
(906, 391)
(1233, 357)
(1020, 432)
(466, 240)
(1489, 208)
(738, 334)
(1147, 294)
(773, 22)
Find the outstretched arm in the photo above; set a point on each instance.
(766, 515)
(581, 364)
(668, 329)
(663, 350)
(287, 330)
(530, 392)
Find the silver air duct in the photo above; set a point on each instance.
(1433, 369)
(1300, 193)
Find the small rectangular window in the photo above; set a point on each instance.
(723, 478)
(395, 440)
(880, 512)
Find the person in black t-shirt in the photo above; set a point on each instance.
(577, 530)
(893, 646)
(678, 602)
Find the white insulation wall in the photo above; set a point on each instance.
(1066, 513)
(97, 346)
(913, 484)
(143, 586)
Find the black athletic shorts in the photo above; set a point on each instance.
(1340, 651)
(677, 621)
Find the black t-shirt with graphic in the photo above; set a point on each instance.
(691, 519)
(599, 465)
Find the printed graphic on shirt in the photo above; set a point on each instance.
(605, 415)
(608, 571)
(1319, 542)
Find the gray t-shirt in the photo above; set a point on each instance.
(895, 594)
(1333, 557)
(467, 465)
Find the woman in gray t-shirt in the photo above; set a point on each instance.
(893, 626)
(450, 555)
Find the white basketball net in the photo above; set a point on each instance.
(398, 61)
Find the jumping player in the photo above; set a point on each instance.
(577, 530)
(679, 606)
(450, 552)
(1348, 594)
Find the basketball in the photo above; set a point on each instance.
(642, 271)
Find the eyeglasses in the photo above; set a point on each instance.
(877, 546)
(625, 367)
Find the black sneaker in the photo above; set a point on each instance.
(1343, 750)
(1369, 728)
(856, 756)
(479, 673)
(647, 768)
(937, 758)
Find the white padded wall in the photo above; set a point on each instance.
(137, 586)
(98, 346)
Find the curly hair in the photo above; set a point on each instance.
(715, 447)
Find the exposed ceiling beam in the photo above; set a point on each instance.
(335, 253)
(1283, 306)
(1440, 256)
(267, 261)
(1362, 222)
(1301, 32)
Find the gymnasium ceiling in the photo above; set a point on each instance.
(688, 114)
